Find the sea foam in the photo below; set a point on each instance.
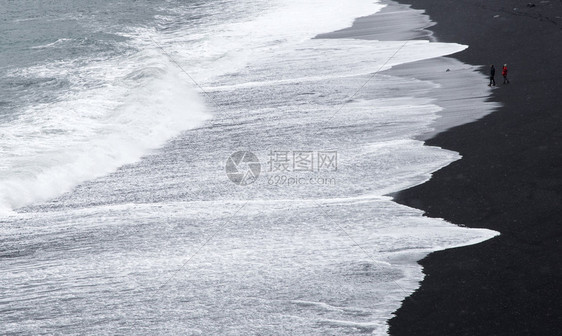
(90, 132)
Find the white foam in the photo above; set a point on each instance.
(90, 133)
(218, 47)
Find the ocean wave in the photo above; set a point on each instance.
(53, 147)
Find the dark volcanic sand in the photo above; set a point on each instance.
(509, 180)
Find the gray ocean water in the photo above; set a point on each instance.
(117, 215)
(40, 32)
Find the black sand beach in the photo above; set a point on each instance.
(509, 180)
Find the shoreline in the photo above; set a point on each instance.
(461, 101)
(509, 180)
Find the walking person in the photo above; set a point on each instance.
(492, 76)
(504, 74)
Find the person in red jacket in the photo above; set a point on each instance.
(504, 74)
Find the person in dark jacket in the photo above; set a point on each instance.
(504, 74)
(492, 76)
